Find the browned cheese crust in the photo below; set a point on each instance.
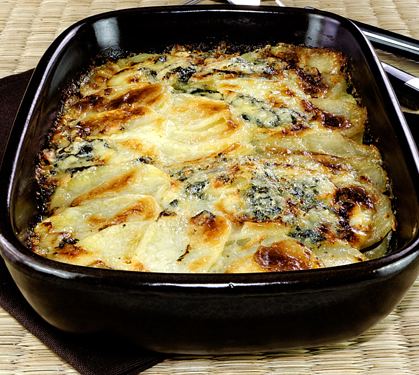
(193, 161)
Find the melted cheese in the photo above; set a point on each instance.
(194, 161)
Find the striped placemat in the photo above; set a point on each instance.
(27, 27)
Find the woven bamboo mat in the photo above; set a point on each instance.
(27, 27)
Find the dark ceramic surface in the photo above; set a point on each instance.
(210, 314)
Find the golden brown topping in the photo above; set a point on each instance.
(311, 82)
(146, 96)
(286, 255)
(139, 210)
(211, 161)
(108, 189)
(208, 225)
(111, 122)
(68, 250)
(349, 196)
(334, 121)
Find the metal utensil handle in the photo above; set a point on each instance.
(390, 41)
(405, 85)
(386, 40)
(190, 2)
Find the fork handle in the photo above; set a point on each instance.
(390, 41)
(190, 2)
(404, 84)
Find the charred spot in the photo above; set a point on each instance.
(33, 241)
(135, 79)
(366, 179)
(101, 78)
(333, 121)
(271, 70)
(146, 95)
(46, 184)
(222, 157)
(165, 214)
(309, 107)
(323, 229)
(203, 91)
(139, 208)
(349, 196)
(203, 76)
(110, 121)
(48, 225)
(122, 71)
(81, 131)
(209, 225)
(328, 161)
(73, 171)
(280, 257)
(296, 127)
(184, 74)
(144, 159)
(311, 83)
(228, 72)
(67, 247)
(69, 241)
(327, 119)
(70, 251)
(290, 93)
(289, 56)
(88, 102)
(344, 214)
(184, 254)
(46, 157)
(224, 179)
(346, 233)
(203, 218)
(291, 206)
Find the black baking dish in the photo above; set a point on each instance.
(209, 313)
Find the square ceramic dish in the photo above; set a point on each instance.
(209, 313)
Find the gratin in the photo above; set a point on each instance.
(213, 161)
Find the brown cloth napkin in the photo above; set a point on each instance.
(89, 356)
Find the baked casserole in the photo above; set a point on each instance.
(213, 161)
